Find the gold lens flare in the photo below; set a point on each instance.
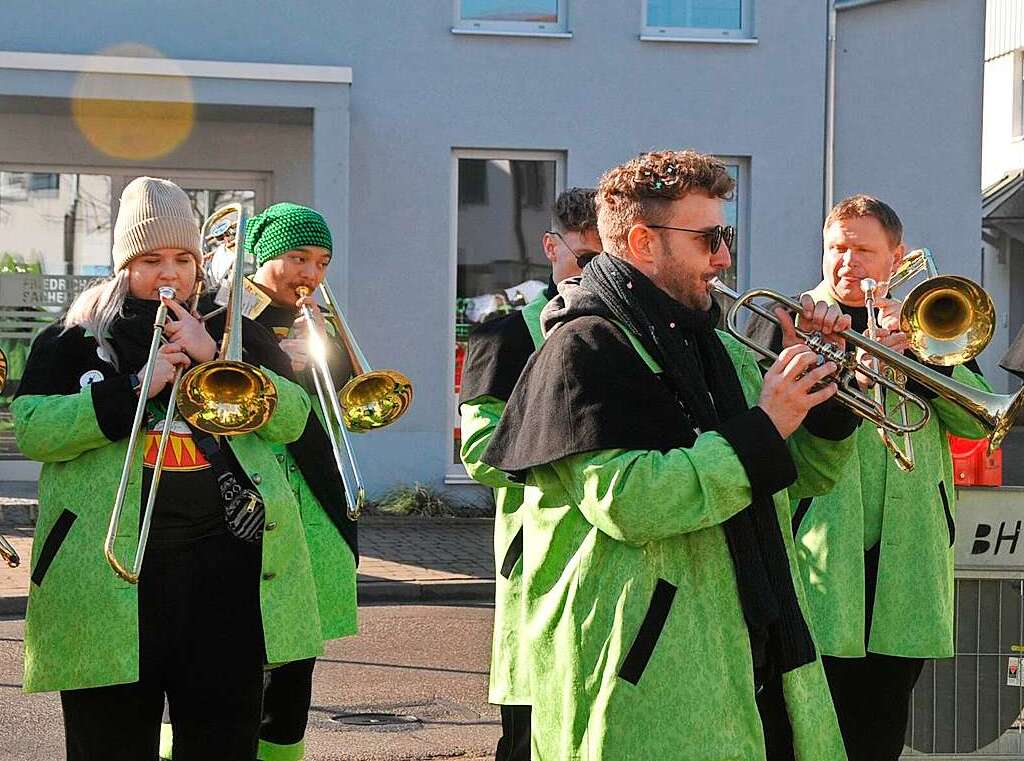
(133, 117)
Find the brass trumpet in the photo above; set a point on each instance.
(997, 412)
(371, 399)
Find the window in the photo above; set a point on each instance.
(56, 232)
(732, 217)
(698, 19)
(499, 262)
(528, 17)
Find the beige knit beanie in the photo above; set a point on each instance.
(154, 214)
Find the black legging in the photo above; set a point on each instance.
(200, 645)
(286, 697)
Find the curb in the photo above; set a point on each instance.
(449, 591)
(413, 592)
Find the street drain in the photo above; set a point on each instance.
(375, 719)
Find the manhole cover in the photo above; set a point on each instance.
(375, 719)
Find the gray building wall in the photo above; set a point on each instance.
(420, 91)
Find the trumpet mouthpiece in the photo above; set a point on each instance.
(166, 292)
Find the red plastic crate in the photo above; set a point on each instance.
(972, 465)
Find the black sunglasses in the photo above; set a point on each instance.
(716, 235)
(582, 257)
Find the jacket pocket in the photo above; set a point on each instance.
(512, 554)
(650, 630)
(53, 542)
(950, 523)
(802, 508)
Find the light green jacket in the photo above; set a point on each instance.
(509, 680)
(81, 628)
(334, 565)
(602, 528)
(913, 610)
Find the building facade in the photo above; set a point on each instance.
(434, 135)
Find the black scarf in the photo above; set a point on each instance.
(698, 369)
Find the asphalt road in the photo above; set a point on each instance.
(413, 685)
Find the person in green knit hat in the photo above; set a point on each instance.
(213, 604)
(664, 613)
(498, 352)
(292, 246)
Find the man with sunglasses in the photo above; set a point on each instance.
(663, 610)
(498, 351)
(876, 553)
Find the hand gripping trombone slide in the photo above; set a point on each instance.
(997, 412)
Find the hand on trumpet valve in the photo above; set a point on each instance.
(189, 333)
(796, 382)
(170, 357)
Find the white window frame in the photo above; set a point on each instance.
(455, 473)
(1017, 127)
(558, 29)
(743, 36)
(743, 185)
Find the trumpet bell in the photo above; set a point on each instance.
(226, 398)
(948, 320)
(374, 399)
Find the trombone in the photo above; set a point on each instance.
(227, 396)
(8, 553)
(997, 412)
(132, 576)
(948, 320)
(371, 399)
(223, 396)
(904, 457)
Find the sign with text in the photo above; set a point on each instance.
(18, 290)
(990, 528)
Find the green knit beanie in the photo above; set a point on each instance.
(285, 227)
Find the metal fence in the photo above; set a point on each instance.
(970, 706)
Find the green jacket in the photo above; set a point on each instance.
(509, 679)
(606, 534)
(913, 609)
(334, 565)
(81, 628)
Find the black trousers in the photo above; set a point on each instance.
(514, 744)
(872, 694)
(872, 700)
(286, 697)
(778, 732)
(200, 645)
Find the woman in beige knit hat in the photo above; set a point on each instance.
(211, 606)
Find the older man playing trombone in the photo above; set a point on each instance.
(876, 553)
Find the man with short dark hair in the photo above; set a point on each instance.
(663, 616)
(876, 553)
(498, 351)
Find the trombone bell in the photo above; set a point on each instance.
(226, 398)
(948, 320)
(375, 399)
